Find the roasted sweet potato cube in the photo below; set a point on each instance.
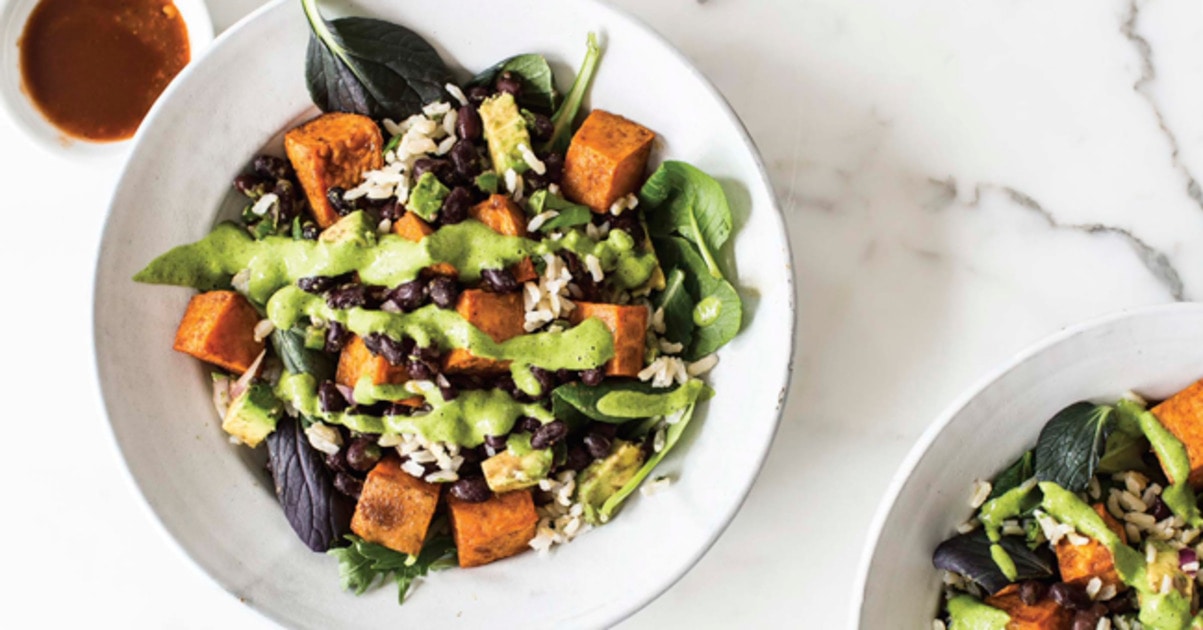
(332, 150)
(498, 315)
(1182, 415)
(219, 327)
(411, 227)
(629, 326)
(395, 508)
(498, 528)
(505, 217)
(606, 160)
(1080, 563)
(356, 361)
(1044, 615)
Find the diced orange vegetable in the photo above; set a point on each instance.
(498, 528)
(1080, 563)
(606, 160)
(498, 315)
(219, 327)
(332, 150)
(356, 361)
(1182, 415)
(505, 217)
(1043, 615)
(629, 327)
(411, 227)
(395, 508)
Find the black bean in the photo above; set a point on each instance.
(528, 424)
(1089, 619)
(315, 284)
(466, 159)
(348, 485)
(380, 344)
(456, 205)
(330, 398)
(362, 454)
(398, 409)
(553, 173)
(499, 280)
(391, 209)
(1070, 596)
(1122, 603)
(409, 295)
(604, 429)
(543, 128)
(310, 231)
(272, 167)
(1160, 510)
(471, 489)
(443, 292)
(477, 94)
(429, 354)
(287, 200)
(448, 391)
(347, 296)
(598, 445)
(336, 461)
(335, 196)
(420, 371)
(471, 456)
(442, 169)
(495, 442)
(252, 186)
(566, 376)
(593, 376)
(508, 82)
(336, 337)
(547, 435)
(547, 380)
(1032, 591)
(467, 123)
(578, 458)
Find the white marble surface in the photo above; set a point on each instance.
(959, 178)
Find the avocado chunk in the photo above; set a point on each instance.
(252, 415)
(356, 227)
(601, 479)
(505, 130)
(518, 466)
(427, 197)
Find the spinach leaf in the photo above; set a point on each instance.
(298, 359)
(681, 199)
(678, 308)
(370, 67)
(361, 563)
(1013, 476)
(725, 312)
(319, 514)
(969, 555)
(580, 398)
(571, 214)
(1071, 443)
(565, 116)
(671, 437)
(538, 82)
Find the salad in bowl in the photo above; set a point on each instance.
(465, 319)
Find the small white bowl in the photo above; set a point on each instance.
(1153, 351)
(26, 115)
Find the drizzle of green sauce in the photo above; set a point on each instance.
(1010, 504)
(275, 261)
(632, 404)
(970, 613)
(707, 311)
(466, 420)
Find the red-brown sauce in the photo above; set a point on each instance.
(94, 67)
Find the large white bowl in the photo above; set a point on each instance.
(215, 499)
(1154, 351)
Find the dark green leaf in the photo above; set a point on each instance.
(969, 555)
(290, 346)
(569, 217)
(1015, 474)
(538, 82)
(678, 308)
(565, 116)
(1071, 444)
(671, 437)
(1122, 452)
(370, 67)
(681, 199)
(676, 252)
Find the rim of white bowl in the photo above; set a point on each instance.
(765, 181)
(933, 431)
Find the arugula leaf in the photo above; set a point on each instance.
(538, 82)
(682, 199)
(1071, 443)
(361, 563)
(969, 555)
(299, 359)
(671, 437)
(1013, 476)
(370, 67)
(678, 308)
(318, 513)
(726, 311)
(565, 116)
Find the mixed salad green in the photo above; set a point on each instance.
(464, 321)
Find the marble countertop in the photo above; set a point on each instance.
(959, 180)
